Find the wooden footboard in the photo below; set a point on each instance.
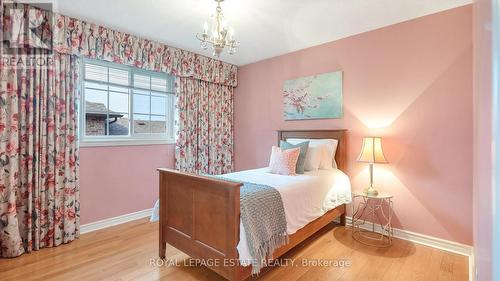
(201, 217)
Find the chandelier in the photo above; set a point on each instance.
(221, 35)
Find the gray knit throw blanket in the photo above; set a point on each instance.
(263, 217)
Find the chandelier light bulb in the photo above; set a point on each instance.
(205, 28)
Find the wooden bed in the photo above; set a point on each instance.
(201, 216)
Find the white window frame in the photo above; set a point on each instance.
(131, 139)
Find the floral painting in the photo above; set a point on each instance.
(313, 97)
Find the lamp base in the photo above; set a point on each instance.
(370, 191)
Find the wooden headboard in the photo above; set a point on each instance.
(340, 155)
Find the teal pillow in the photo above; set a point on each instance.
(299, 167)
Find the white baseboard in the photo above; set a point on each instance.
(430, 241)
(93, 226)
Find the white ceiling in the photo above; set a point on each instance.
(265, 28)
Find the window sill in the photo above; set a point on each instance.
(125, 142)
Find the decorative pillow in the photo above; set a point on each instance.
(283, 161)
(299, 168)
(329, 149)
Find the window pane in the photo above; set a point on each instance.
(96, 72)
(109, 91)
(159, 105)
(141, 104)
(118, 76)
(141, 81)
(158, 124)
(118, 126)
(96, 101)
(171, 115)
(159, 94)
(118, 89)
(118, 102)
(158, 84)
(96, 86)
(141, 123)
(142, 92)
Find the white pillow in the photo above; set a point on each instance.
(314, 156)
(328, 148)
(328, 162)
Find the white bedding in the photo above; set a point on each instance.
(306, 197)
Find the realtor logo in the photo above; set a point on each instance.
(27, 25)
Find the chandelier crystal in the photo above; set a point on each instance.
(220, 36)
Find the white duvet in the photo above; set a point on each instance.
(306, 197)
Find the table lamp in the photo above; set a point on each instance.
(371, 153)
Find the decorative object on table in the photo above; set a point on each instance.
(220, 37)
(374, 210)
(371, 153)
(313, 97)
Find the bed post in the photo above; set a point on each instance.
(163, 215)
(343, 215)
(342, 219)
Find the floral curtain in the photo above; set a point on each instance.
(205, 127)
(39, 191)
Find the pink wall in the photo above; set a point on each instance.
(483, 168)
(120, 180)
(410, 83)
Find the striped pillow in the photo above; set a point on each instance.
(283, 161)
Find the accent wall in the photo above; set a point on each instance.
(411, 84)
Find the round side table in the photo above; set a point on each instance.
(376, 213)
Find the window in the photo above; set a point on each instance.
(126, 104)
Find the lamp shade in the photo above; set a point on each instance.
(372, 152)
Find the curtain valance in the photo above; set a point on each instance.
(77, 37)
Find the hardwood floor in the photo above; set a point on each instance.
(125, 252)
